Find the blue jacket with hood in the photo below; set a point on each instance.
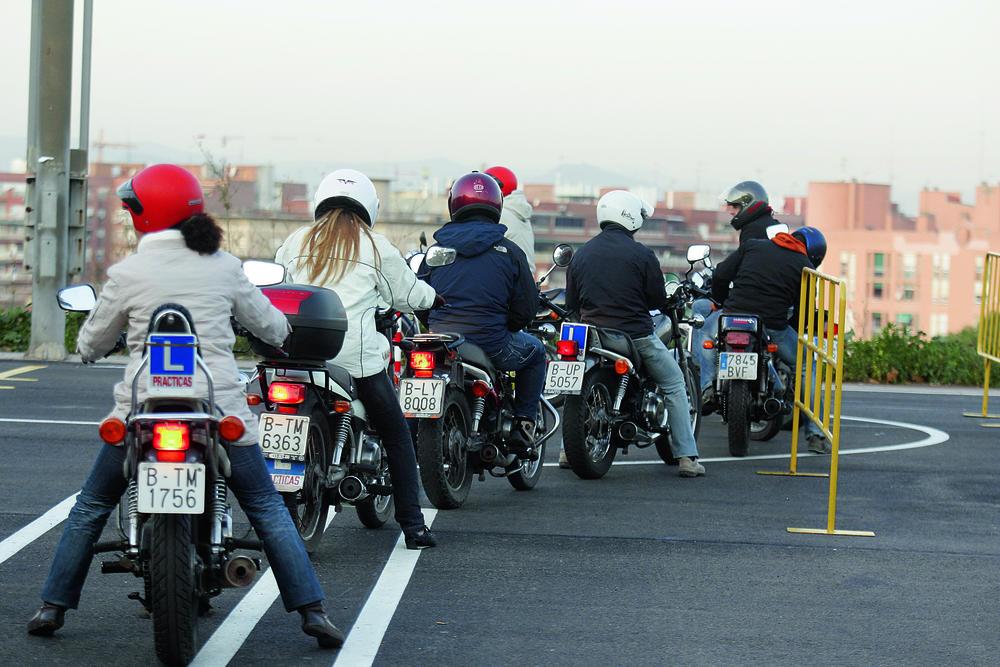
(489, 290)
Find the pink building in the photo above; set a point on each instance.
(924, 273)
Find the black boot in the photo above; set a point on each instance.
(47, 620)
(316, 624)
(422, 538)
(522, 435)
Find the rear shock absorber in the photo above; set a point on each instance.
(622, 388)
(133, 517)
(340, 437)
(219, 498)
(478, 407)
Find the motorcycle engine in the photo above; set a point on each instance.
(654, 409)
(371, 453)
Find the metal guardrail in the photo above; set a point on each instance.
(988, 339)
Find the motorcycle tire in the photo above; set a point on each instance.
(530, 472)
(375, 510)
(445, 469)
(765, 430)
(308, 506)
(173, 585)
(587, 429)
(738, 417)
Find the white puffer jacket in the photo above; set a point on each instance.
(366, 286)
(516, 216)
(211, 287)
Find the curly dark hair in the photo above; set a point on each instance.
(201, 234)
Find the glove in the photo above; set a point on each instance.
(439, 301)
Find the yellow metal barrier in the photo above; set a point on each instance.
(822, 318)
(988, 340)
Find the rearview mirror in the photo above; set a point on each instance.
(562, 255)
(671, 287)
(77, 299)
(440, 256)
(697, 253)
(262, 274)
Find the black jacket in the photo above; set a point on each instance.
(766, 281)
(756, 226)
(488, 290)
(614, 281)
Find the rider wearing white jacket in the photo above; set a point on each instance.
(516, 214)
(341, 252)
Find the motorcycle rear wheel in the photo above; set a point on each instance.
(308, 506)
(375, 510)
(738, 417)
(527, 477)
(173, 588)
(587, 429)
(442, 453)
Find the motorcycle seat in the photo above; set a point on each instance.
(343, 378)
(474, 355)
(619, 342)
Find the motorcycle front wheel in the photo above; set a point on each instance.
(587, 429)
(375, 510)
(442, 452)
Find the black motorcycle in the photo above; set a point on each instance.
(178, 523)
(314, 432)
(610, 404)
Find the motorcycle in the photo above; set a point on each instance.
(314, 431)
(464, 409)
(178, 533)
(610, 404)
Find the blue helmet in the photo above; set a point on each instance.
(815, 244)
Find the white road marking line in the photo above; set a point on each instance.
(229, 637)
(48, 421)
(365, 637)
(36, 528)
(934, 437)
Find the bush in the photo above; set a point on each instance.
(15, 329)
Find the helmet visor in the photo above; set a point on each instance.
(129, 198)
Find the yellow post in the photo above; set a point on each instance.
(988, 338)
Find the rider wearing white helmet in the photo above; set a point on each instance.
(614, 281)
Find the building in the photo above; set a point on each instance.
(924, 273)
(15, 282)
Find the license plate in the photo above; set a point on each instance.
(564, 377)
(287, 475)
(737, 365)
(283, 436)
(421, 398)
(171, 488)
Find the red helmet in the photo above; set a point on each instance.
(161, 196)
(507, 178)
(475, 192)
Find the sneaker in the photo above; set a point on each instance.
(422, 538)
(47, 620)
(708, 402)
(689, 467)
(563, 461)
(818, 444)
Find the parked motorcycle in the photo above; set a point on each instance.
(314, 432)
(610, 404)
(464, 408)
(178, 533)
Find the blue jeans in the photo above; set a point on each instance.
(524, 354)
(663, 369)
(250, 482)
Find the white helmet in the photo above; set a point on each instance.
(623, 208)
(347, 188)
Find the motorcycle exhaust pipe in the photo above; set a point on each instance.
(628, 431)
(492, 456)
(352, 488)
(239, 571)
(772, 406)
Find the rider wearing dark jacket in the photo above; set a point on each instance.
(747, 202)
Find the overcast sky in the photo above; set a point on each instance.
(680, 93)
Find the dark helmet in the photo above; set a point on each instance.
(475, 193)
(751, 197)
(815, 244)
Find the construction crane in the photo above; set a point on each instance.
(101, 144)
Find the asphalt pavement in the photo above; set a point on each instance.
(639, 568)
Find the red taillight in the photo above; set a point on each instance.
(288, 410)
(231, 428)
(740, 338)
(772, 347)
(112, 431)
(567, 349)
(288, 301)
(286, 392)
(171, 436)
(422, 363)
(622, 367)
(480, 389)
(254, 399)
(170, 456)
(341, 407)
(708, 344)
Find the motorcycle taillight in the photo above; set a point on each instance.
(422, 362)
(738, 338)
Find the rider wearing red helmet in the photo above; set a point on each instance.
(489, 292)
(516, 214)
(178, 261)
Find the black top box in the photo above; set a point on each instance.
(318, 319)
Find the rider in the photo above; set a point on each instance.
(516, 214)
(490, 293)
(614, 281)
(747, 203)
(766, 276)
(342, 252)
(178, 261)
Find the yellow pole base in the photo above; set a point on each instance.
(789, 473)
(824, 531)
(981, 415)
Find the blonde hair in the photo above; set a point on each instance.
(333, 244)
